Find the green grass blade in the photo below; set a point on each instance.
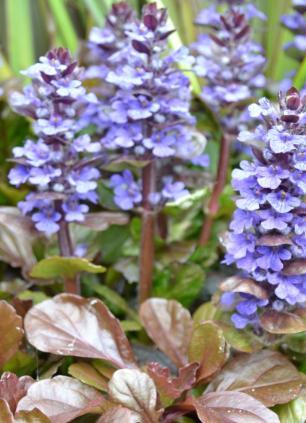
(97, 10)
(187, 27)
(274, 38)
(19, 35)
(64, 24)
(175, 43)
(108, 3)
(5, 70)
(300, 79)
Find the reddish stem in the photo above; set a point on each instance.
(71, 285)
(219, 185)
(162, 225)
(147, 233)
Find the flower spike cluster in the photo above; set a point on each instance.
(296, 23)
(229, 60)
(107, 47)
(149, 114)
(268, 231)
(58, 165)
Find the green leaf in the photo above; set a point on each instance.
(104, 368)
(64, 24)
(300, 78)
(176, 43)
(36, 296)
(66, 267)
(97, 10)
(114, 299)
(21, 364)
(208, 348)
(112, 241)
(207, 311)
(181, 282)
(293, 412)
(274, 38)
(297, 342)
(88, 374)
(5, 70)
(130, 326)
(19, 35)
(240, 340)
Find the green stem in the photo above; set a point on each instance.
(71, 285)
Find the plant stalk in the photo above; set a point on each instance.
(147, 232)
(71, 285)
(219, 185)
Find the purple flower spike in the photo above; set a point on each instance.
(268, 230)
(229, 60)
(146, 112)
(55, 164)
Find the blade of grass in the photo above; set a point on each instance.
(19, 34)
(64, 24)
(187, 27)
(108, 3)
(97, 10)
(274, 38)
(175, 43)
(300, 78)
(5, 70)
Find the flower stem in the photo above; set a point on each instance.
(71, 285)
(147, 232)
(162, 225)
(219, 185)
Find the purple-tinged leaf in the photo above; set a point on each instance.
(243, 285)
(101, 221)
(296, 267)
(11, 332)
(232, 407)
(119, 415)
(6, 416)
(169, 324)
(135, 390)
(280, 322)
(16, 238)
(170, 387)
(274, 240)
(33, 416)
(62, 399)
(266, 375)
(12, 388)
(72, 325)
